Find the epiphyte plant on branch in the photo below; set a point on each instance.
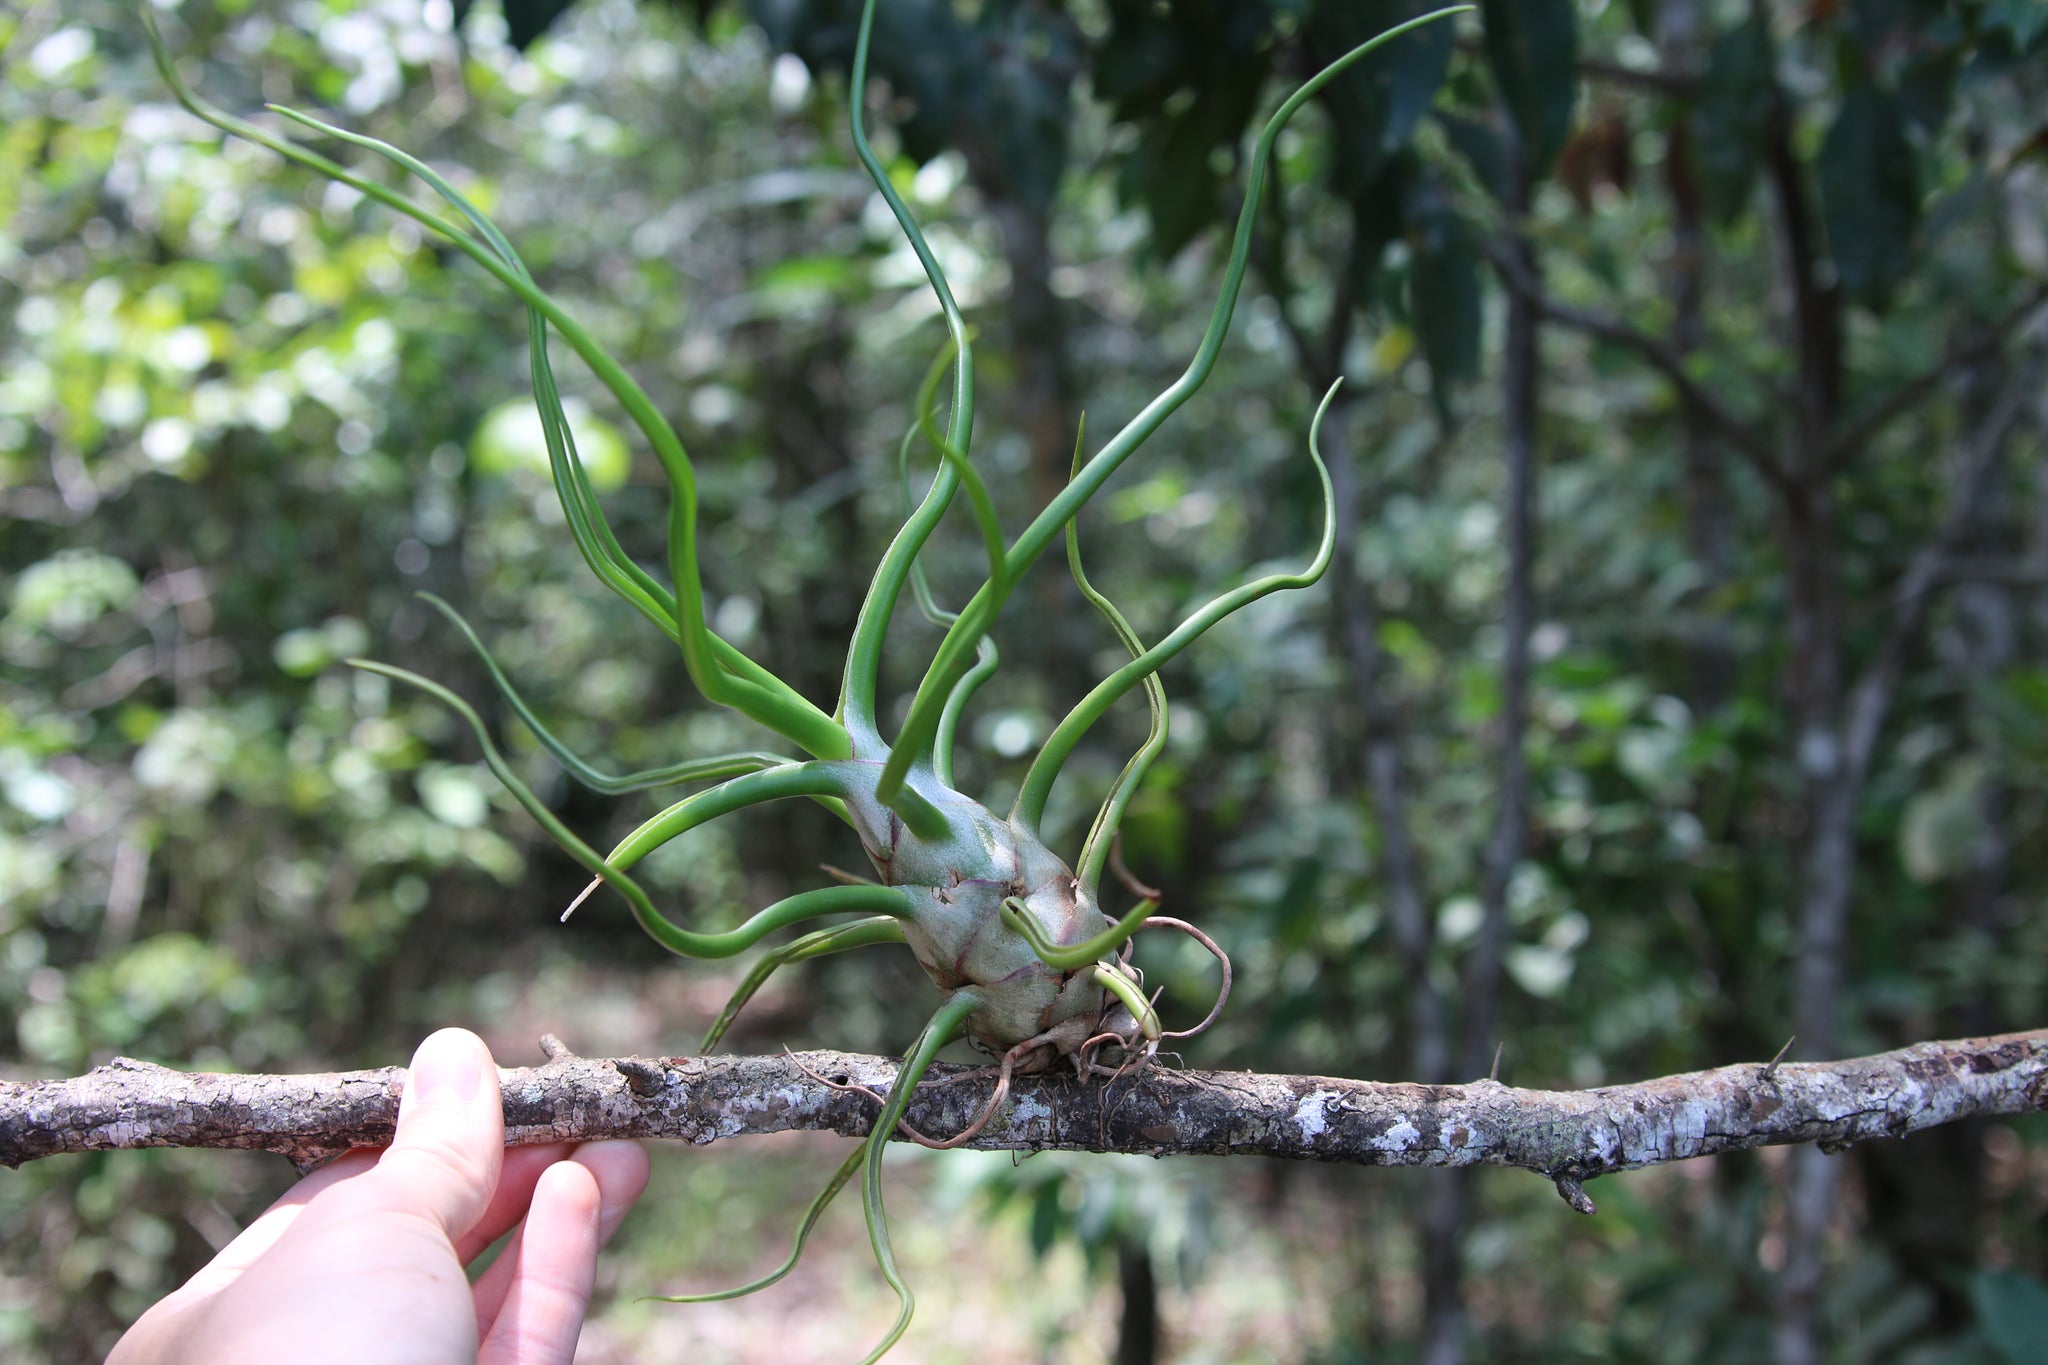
(1031, 969)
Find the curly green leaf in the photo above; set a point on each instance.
(587, 524)
(941, 1030)
(1112, 979)
(1095, 850)
(770, 784)
(1066, 958)
(1045, 768)
(812, 1214)
(1039, 534)
(860, 933)
(864, 652)
(695, 770)
(752, 691)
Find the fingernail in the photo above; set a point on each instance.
(449, 1064)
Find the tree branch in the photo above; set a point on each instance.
(1870, 700)
(1566, 1136)
(1659, 353)
(1852, 439)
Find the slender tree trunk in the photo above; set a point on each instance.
(1377, 764)
(1451, 1207)
(1137, 1338)
(1807, 522)
(1520, 383)
(1711, 655)
(1446, 1207)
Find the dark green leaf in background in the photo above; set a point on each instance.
(2012, 1310)
(1479, 142)
(1045, 1218)
(1533, 47)
(1023, 98)
(1378, 219)
(919, 48)
(1189, 77)
(1870, 197)
(525, 20)
(1375, 106)
(1736, 96)
(2025, 20)
(1927, 86)
(1443, 288)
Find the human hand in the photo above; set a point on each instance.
(363, 1259)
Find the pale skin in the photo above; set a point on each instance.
(364, 1259)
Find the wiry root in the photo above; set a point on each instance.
(1124, 874)
(1137, 1055)
(1003, 1070)
(1126, 1021)
(1222, 958)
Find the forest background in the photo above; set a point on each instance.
(1679, 687)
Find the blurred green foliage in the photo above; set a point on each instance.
(243, 419)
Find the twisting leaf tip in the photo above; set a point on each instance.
(1112, 979)
(1095, 849)
(1052, 755)
(812, 1214)
(942, 1029)
(694, 770)
(863, 655)
(719, 671)
(1017, 917)
(1062, 509)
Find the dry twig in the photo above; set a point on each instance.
(1569, 1137)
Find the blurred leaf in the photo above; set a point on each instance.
(1046, 1217)
(1939, 831)
(525, 20)
(1021, 99)
(1480, 144)
(2025, 20)
(919, 47)
(1188, 77)
(510, 438)
(70, 590)
(1444, 291)
(1733, 115)
(2012, 1310)
(1533, 47)
(1539, 970)
(2028, 686)
(453, 795)
(1383, 96)
(1870, 197)
(1927, 86)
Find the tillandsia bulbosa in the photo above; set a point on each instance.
(1030, 967)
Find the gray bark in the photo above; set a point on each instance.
(1566, 1136)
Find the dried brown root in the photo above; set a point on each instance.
(1223, 958)
(1123, 873)
(1004, 1071)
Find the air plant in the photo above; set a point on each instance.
(1029, 966)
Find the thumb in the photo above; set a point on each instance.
(445, 1159)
